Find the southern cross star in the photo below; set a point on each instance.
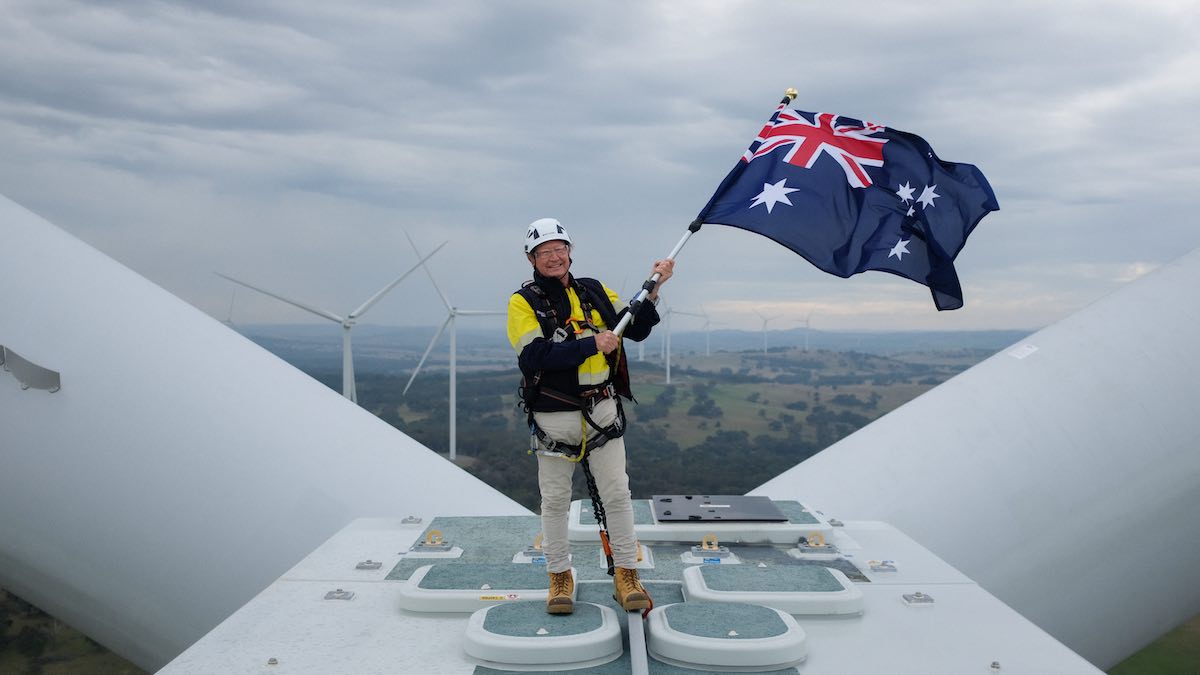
(773, 194)
(905, 192)
(900, 249)
(928, 195)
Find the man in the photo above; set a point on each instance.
(574, 373)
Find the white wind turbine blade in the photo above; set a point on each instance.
(426, 354)
(315, 310)
(765, 318)
(429, 273)
(383, 291)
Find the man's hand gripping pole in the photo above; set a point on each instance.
(648, 286)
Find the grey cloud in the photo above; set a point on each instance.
(280, 136)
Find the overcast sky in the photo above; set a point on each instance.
(290, 144)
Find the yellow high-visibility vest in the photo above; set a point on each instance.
(523, 328)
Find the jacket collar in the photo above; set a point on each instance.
(551, 285)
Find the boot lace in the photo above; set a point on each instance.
(560, 583)
(630, 578)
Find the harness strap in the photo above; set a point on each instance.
(577, 452)
(572, 453)
(585, 399)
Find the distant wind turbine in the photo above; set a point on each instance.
(707, 331)
(667, 337)
(232, 299)
(765, 319)
(641, 345)
(452, 313)
(348, 386)
(807, 326)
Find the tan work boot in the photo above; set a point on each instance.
(562, 586)
(630, 593)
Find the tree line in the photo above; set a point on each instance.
(729, 457)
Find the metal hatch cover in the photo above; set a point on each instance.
(714, 508)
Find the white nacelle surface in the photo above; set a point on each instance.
(964, 630)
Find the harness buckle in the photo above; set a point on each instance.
(596, 394)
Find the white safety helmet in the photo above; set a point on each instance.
(543, 230)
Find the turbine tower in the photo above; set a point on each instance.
(807, 325)
(348, 387)
(641, 355)
(232, 300)
(667, 337)
(707, 331)
(452, 313)
(765, 319)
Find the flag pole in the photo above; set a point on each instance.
(650, 283)
(636, 303)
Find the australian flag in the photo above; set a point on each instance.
(852, 196)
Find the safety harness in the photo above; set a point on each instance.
(591, 297)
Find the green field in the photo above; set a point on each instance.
(1176, 653)
(34, 643)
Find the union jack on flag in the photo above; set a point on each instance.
(852, 196)
(849, 144)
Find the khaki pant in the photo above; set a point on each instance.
(554, 480)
